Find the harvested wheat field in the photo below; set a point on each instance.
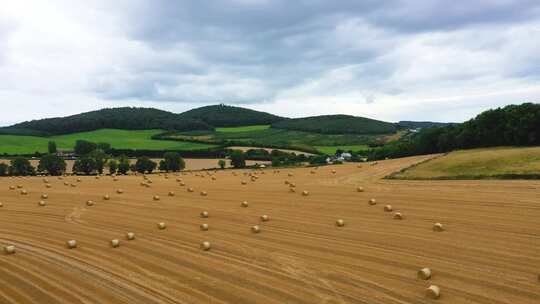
(331, 246)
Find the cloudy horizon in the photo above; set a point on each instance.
(388, 60)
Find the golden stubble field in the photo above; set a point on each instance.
(488, 253)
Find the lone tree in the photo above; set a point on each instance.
(21, 166)
(172, 162)
(113, 166)
(52, 147)
(123, 165)
(221, 164)
(238, 160)
(4, 169)
(52, 164)
(145, 165)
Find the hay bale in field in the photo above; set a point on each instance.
(171, 193)
(372, 201)
(120, 191)
(130, 236)
(213, 178)
(9, 249)
(115, 243)
(71, 244)
(360, 189)
(292, 185)
(182, 184)
(48, 186)
(19, 186)
(305, 193)
(424, 274)
(206, 246)
(162, 225)
(156, 198)
(204, 214)
(265, 218)
(388, 208)
(289, 174)
(44, 196)
(11, 187)
(204, 193)
(244, 204)
(398, 216)
(24, 192)
(97, 176)
(45, 181)
(312, 171)
(42, 203)
(340, 223)
(73, 185)
(438, 227)
(79, 180)
(1, 204)
(66, 184)
(106, 197)
(89, 203)
(256, 229)
(433, 292)
(190, 189)
(292, 190)
(333, 171)
(204, 227)
(244, 182)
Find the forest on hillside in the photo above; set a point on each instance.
(336, 124)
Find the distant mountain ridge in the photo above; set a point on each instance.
(203, 118)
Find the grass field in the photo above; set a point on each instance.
(332, 149)
(478, 163)
(119, 139)
(243, 129)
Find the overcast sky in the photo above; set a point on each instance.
(393, 60)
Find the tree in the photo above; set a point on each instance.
(145, 165)
(83, 147)
(85, 164)
(52, 164)
(113, 166)
(4, 169)
(21, 166)
(172, 162)
(105, 147)
(52, 147)
(123, 165)
(238, 159)
(100, 159)
(222, 164)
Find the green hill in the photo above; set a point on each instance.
(337, 124)
(117, 118)
(229, 116)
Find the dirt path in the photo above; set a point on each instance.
(490, 252)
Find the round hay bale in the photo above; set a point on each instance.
(286, 182)
(292, 185)
(204, 193)
(156, 198)
(24, 192)
(289, 174)
(398, 216)
(11, 187)
(106, 197)
(162, 225)
(120, 191)
(73, 185)
(204, 227)
(71, 244)
(48, 186)
(433, 292)
(204, 214)
(171, 193)
(79, 180)
(372, 201)
(340, 223)
(44, 196)
(388, 208)
(97, 176)
(305, 193)
(213, 178)
(333, 171)
(115, 179)
(424, 274)
(312, 171)
(19, 186)
(190, 189)
(42, 203)
(9, 249)
(256, 229)
(45, 181)
(66, 184)
(1, 204)
(130, 236)
(115, 243)
(265, 218)
(89, 203)
(206, 246)
(438, 227)
(360, 189)
(244, 182)
(292, 190)
(182, 184)
(244, 204)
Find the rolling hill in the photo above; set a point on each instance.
(337, 124)
(229, 116)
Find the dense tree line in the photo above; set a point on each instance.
(117, 118)
(229, 116)
(336, 124)
(514, 125)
